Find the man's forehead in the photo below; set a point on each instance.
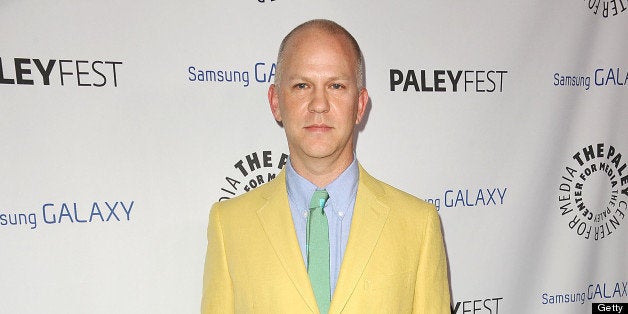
(311, 65)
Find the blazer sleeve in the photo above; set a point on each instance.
(431, 294)
(217, 286)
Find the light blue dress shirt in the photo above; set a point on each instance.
(338, 209)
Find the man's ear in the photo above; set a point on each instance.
(363, 99)
(273, 100)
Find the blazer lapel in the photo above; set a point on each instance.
(369, 217)
(277, 223)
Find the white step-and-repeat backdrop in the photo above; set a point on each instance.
(122, 122)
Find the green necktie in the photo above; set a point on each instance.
(318, 250)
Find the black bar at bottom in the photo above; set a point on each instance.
(609, 308)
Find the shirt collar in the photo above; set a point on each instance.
(341, 191)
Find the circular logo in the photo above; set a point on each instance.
(252, 171)
(593, 193)
(607, 8)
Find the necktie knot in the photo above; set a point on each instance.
(318, 199)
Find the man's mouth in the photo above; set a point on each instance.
(318, 127)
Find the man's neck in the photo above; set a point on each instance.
(321, 171)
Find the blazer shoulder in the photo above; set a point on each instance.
(394, 197)
(253, 199)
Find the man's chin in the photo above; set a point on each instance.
(319, 154)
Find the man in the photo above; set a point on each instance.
(362, 246)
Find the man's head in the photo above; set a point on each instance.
(319, 93)
(331, 28)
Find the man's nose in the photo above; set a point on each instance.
(319, 102)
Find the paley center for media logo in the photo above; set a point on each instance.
(447, 80)
(251, 171)
(59, 72)
(54, 213)
(593, 193)
(607, 8)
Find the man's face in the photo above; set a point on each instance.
(317, 99)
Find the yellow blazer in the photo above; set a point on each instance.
(394, 261)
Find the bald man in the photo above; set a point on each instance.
(324, 236)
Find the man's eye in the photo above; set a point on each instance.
(336, 86)
(301, 85)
